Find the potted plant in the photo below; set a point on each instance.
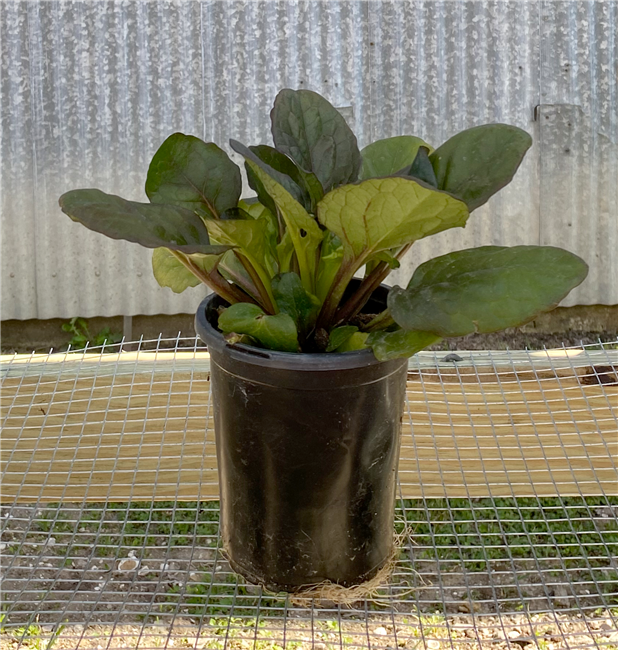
(308, 360)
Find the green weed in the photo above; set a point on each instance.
(512, 529)
(33, 636)
(82, 336)
(222, 595)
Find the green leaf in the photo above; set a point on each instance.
(331, 256)
(303, 229)
(476, 163)
(383, 256)
(339, 336)
(256, 184)
(358, 341)
(170, 272)
(277, 165)
(285, 253)
(241, 339)
(313, 133)
(273, 332)
(399, 344)
(247, 234)
(303, 186)
(292, 299)
(258, 211)
(383, 213)
(147, 224)
(289, 173)
(251, 237)
(389, 156)
(313, 188)
(485, 289)
(389, 258)
(234, 214)
(269, 220)
(422, 169)
(255, 209)
(193, 174)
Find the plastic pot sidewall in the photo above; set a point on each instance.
(307, 452)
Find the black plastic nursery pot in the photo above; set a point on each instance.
(307, 451)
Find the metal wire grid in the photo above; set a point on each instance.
(472, 571)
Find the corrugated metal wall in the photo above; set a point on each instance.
(90, 89)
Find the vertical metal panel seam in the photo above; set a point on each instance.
(33, 77)
(541, 13)
(203, 62)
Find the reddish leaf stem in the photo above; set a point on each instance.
(213, 280)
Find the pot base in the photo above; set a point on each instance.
(354, 591)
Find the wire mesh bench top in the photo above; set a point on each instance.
(507, 510)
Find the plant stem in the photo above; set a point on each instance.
(213, 280)
(280, 223)
(360, 297)
(306, 275)
(380, 322)
(242, 282)
(266, 300)
(331, 302)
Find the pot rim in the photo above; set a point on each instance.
(308, 361)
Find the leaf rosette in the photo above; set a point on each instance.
(325, 211)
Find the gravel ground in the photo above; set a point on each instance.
(512, 339)
(543, 632)
(155, 594)
(518, 339)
